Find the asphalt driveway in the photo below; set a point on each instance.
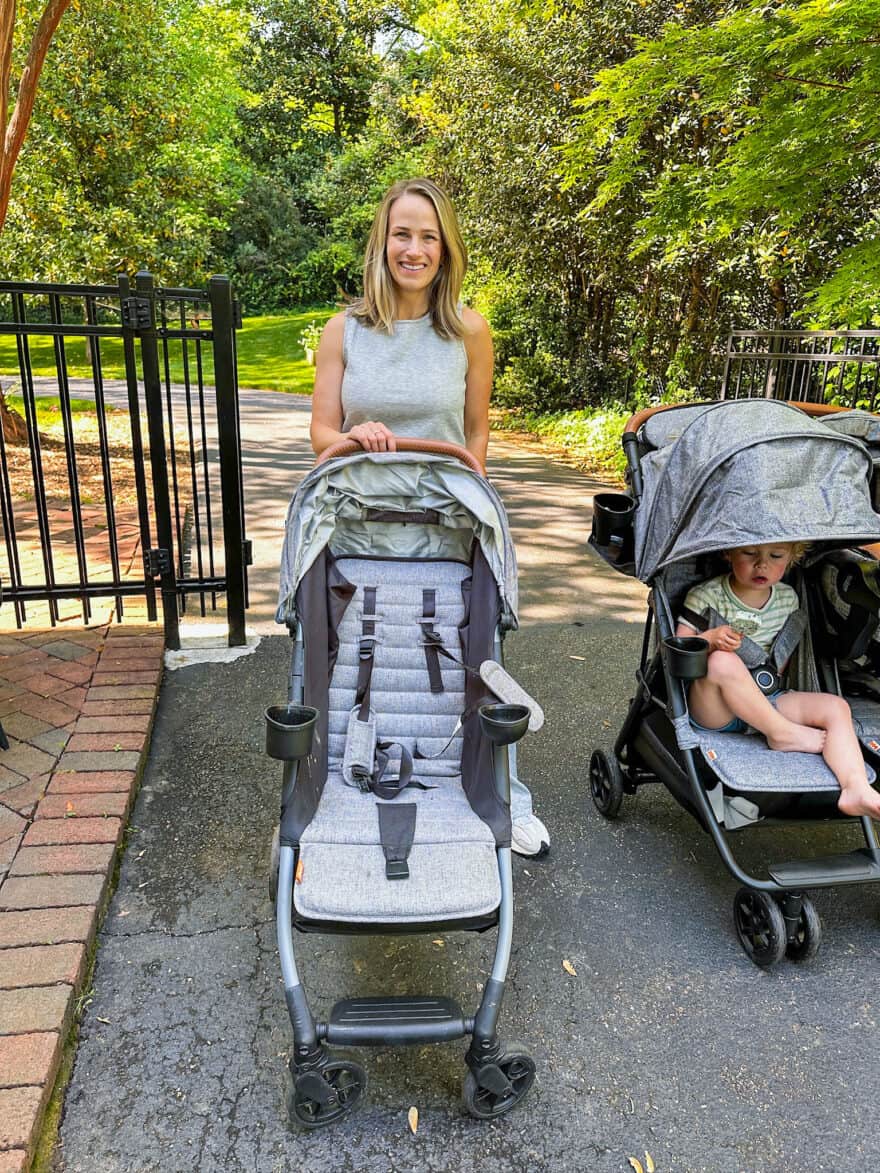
(665, 1038)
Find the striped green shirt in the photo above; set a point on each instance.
(761, 624)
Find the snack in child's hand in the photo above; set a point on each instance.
(744, 624)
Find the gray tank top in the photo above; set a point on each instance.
(412, 381)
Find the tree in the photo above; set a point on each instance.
(131, 161)
(15, 130)
(769, 123)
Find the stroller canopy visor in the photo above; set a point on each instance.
(368, 503)
(751, 471)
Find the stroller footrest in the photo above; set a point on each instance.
(855, 867)
(388, 1022)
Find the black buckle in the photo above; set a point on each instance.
(396, 869)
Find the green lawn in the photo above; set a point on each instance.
(269, 354)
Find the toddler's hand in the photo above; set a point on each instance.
(726, 639)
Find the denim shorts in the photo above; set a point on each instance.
(736, 724)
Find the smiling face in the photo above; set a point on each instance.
(754, 569)
(414, 246)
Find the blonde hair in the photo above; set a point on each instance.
(378, 304)
(798, 549)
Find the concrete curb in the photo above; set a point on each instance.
(78, 710)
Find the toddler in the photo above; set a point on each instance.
(755, 602)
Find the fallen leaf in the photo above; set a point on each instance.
(106, 1021)
(569, 968)
(413, 1118)
(649, 1163)
(637, 1165)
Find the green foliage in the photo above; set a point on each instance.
(129, 162)
(767, 123)
(592, 438)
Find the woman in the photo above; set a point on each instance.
(407, 360)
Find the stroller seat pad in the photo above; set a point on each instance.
(347, 882)
(453, 868)
(452, 863)
(746, 763)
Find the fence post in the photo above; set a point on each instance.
(161, 560)
(229, 439)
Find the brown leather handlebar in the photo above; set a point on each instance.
(432, 447)
(635, 421)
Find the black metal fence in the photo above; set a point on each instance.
(817, 366)
(127, 481)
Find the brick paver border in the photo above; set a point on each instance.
(78, 710)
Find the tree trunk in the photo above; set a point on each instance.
(14, 426)
(14, 133)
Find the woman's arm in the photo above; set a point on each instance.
(478, 383)
(326, 425)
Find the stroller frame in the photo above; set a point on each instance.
(773, 916)
(323, 1087)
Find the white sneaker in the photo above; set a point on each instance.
(529, 836)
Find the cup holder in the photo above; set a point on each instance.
(289, 731)
(504, 724)
(613, 515)
(687, 656)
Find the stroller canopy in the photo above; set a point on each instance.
(751, 471)
(376, 502)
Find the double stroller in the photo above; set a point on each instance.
(398, 581)
(711, 477)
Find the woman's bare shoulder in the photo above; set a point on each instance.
(475, 325)
(335, 326)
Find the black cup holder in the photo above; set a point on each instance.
(289, 731)
(504, 724)
(613, 515)
(687, 656)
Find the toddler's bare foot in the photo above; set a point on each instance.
(799, 739)
(860, 799)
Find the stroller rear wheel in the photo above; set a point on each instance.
(760, 926)
(324, 1094)
(808, 934)
(492, 1089)
(606, 783)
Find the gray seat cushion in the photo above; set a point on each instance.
(453, 863)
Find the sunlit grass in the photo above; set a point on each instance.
(49, 408)
(270, 356)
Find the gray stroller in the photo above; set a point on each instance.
(709, 477)
(398, 581)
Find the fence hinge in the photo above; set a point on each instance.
(137, 313)
(248, 548)
(157, 562)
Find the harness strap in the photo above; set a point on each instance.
(397, 828)
(765, 667)
(366, 650)
(431, 639)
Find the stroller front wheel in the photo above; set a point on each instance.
(606, 783)
(760, 926)
(324, 1094)
(494, 1088)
